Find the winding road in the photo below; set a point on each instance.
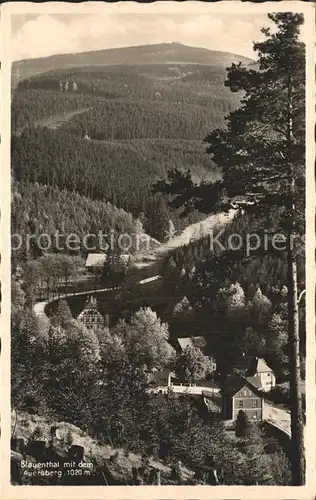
(191, 233)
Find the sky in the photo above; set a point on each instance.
(44, 35)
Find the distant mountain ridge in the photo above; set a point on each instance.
(164, 53)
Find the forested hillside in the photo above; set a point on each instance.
(146, 54)
(213, 278)
(110, 132)
(118, 171)
(31, 106)
(38, 209)
(177, 90)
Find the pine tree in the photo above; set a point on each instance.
(62, 315)
(114, 270)
(262, 157)
(157, 218)
(243, 424)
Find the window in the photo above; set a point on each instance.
(269, 374)
(255, 404)
(240, 404)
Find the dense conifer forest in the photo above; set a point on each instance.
(110, 133)
(93, 148)
(122, 172)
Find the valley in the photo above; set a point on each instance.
(168, 360)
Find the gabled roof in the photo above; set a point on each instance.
(233, 384)
(90, 305)
(185, 342)
(258, 365)
(254, 382)
(183, 306)
(236, 382)
(96, 259)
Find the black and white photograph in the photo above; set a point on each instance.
(160, 183)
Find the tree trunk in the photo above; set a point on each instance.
(297, 419)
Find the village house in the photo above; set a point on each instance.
(262, 373)
(90, 316)
(239, 393)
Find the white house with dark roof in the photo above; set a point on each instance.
(262, 373)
